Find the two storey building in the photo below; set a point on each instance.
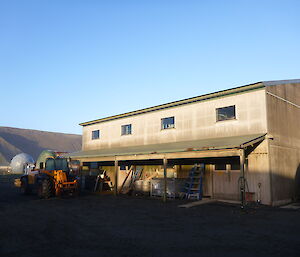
(247, 137)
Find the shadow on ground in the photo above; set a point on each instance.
(93, 225)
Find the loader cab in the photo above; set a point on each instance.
(71, 167)
(57, 164)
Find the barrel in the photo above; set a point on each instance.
(142, 186)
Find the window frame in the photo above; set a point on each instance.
(162, 124)
(217, 113)
(125, 129)
(93, 134)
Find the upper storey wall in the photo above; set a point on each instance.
(192, 122)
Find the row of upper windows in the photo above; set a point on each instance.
(225, 113)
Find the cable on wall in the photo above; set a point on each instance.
(298, 106)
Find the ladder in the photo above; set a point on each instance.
(135, 175)
(194, 183)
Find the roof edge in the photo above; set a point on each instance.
(171, 147)
(280, 82)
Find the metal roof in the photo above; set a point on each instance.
(236, 142)
(227, 92)
(280, 82)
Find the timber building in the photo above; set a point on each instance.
(250, 132)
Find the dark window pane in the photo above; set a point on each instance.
(235, 166)
(61, 164)
(170, 166)
(226, 113)
(126, 129)
(50, 164)
(167, 123)
(95, 134)
(220, 166)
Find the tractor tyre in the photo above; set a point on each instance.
(25, 189)
(45, 189)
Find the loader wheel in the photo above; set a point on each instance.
(45, 189)
(25, 190)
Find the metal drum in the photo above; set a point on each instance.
(142, 186)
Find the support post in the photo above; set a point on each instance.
(242, 177)
(116, 178)
(165, 162)
(211, 171)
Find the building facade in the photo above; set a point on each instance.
(249, 132)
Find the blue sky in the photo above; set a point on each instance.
(65, 62)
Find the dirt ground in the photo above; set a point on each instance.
(93, 225)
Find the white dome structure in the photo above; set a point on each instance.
(19, 162)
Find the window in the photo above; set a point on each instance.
(50, 164)
(220, 166)
(235, 166)
(122, 167)
(167, 123)
(226, 113)
(126, 129)
(62, 164)
(95, 134)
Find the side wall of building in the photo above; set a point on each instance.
(258, 173)
(192, 122)
(284, 150)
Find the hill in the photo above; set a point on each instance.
(3, 161)
(15, 140)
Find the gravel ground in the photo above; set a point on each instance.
(93, 225)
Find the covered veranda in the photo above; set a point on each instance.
(207, 151)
